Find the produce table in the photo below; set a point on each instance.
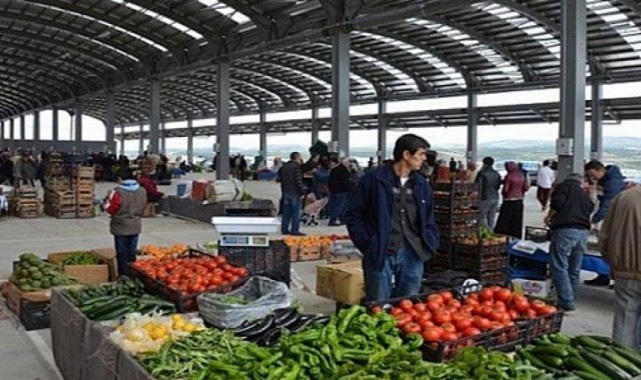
(197, 210)
(82, 348)
(592, 261)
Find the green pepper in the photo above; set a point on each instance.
(348, 317)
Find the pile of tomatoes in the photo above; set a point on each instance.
(192, 274)
(442, 317)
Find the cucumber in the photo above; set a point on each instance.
(605, 366)
(525, 355)
(578, 364)
(96, 300)
(106, 308)
(630, 354)
(586, 341)
(586, 375)
(621, 362)
(560, 338)
(603, 339)
(550, 350)
(553, 361)
(114, 314)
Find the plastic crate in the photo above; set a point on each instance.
(480, 251)
(463, 203)
(457, 231)
(273, 261)
(486, 264)
(490, 277)
(545, 324)
(457, 187)
(444, 217)
(35, 315)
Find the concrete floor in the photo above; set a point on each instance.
(27, 355)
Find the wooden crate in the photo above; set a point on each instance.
(67, 197)
(87, 274)
(32, 308)
(150, 211)
(57, 183)
(85, 212)
(61, 213)
(83, 172)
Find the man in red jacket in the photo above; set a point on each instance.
(153, 195)
(126, 204)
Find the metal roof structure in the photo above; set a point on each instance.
(61, 52)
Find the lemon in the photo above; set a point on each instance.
(190, 328)
(176, 317)
(135, 335)
(159, 333)
(179, 324)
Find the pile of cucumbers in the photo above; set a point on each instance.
(115, 300)
(587, 357)
(267, 331)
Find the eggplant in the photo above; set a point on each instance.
(263, 326)
(321, 319)
(303, 321)
(293, 318)
(270, 338)
(281, 315)
(246, 326)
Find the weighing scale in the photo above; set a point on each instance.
(245, 231)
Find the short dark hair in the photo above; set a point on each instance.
(294, 155)
(594, 164)
(488, 161)
(409, 142)
(546, 163)
(126, 174)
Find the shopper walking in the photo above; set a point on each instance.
(620, 243)
(291, 186)
(489, 182)
(569, 220)
(126, 205)
(340, 185)
(610, 182)
(390, 219)
(544, 181)
(515, 186)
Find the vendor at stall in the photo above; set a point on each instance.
(391, 221)
(153, 195)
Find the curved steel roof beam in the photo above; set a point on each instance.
(547, 23)
(17, 100)
(52, 58)
(164, 8)
(314, 80)
(115, 47)
(73, 48)
(271, 78)
(93, 16)
(143, 98)
(12, 107)
(279, 97)
(379, 87)
(206, 85)
(309, 92)
(420, 83)
(35, 66)
(210, 101)
(176, 87)
(24, 82)
(458, 68)
(501, 50)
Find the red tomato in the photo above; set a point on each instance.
(233, 278)
(481, 323)
(441, 317)
(454, 303)
(520, 305)
(220, 259)
(487, 295)
(433, 334)
(420, 307)
(471, 331)
(377, 310)
(446, 295)
(448, 327)
(503, 294)
(433, 306)
(448, 336)
(402, 320)
(396, 311)
(436, 298)
(462, 324)
(227, 267)
(426, 323)
(537, 305)
(513, 314)
(531, 313)
(473, 296)
(412, 328)
(405, 304)
(241, 272)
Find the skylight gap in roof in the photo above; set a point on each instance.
(169, 22)
(617, 21)
(226, 10)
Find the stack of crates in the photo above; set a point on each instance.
(83, 184)
(59, 199)
(483, 259)
(26, 203)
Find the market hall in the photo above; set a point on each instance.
(140, 65)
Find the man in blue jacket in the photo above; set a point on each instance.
(611, 181)
(391, 221)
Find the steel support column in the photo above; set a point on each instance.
(222, 120)
(190, 141)
(2, 145)
(141, 140)
(110, 122)
(163, 139)
(596, 138)
(472, 128)
(78, 124)
(381, 151)
(340, 91)
(262, 137)
(154, 117)
(55, 129)
(573, 61)
(122, 139)
(23, 128)
(315, 124)
(12, 132)
(36, 125)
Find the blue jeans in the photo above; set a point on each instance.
(126, 247)
(567, 247)
(404, 270)
(291, 214)
(337, 206)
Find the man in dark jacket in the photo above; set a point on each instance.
(340, 185)
(390, 219)
(569, 219)
(610, 183)
(291, 186)
(489, 182)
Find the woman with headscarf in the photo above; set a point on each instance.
(515, 185)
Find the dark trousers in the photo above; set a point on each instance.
(126, 247)
(290, 206)
(337, 207)
(543, 195)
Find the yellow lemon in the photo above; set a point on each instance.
(179, 324)
(190, 327)
(176, 317)
(159, 333)
(135, 335)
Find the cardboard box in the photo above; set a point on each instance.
(87, 274)
(108, 255)
(534, 288)
(342, 282)
(32, 308)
